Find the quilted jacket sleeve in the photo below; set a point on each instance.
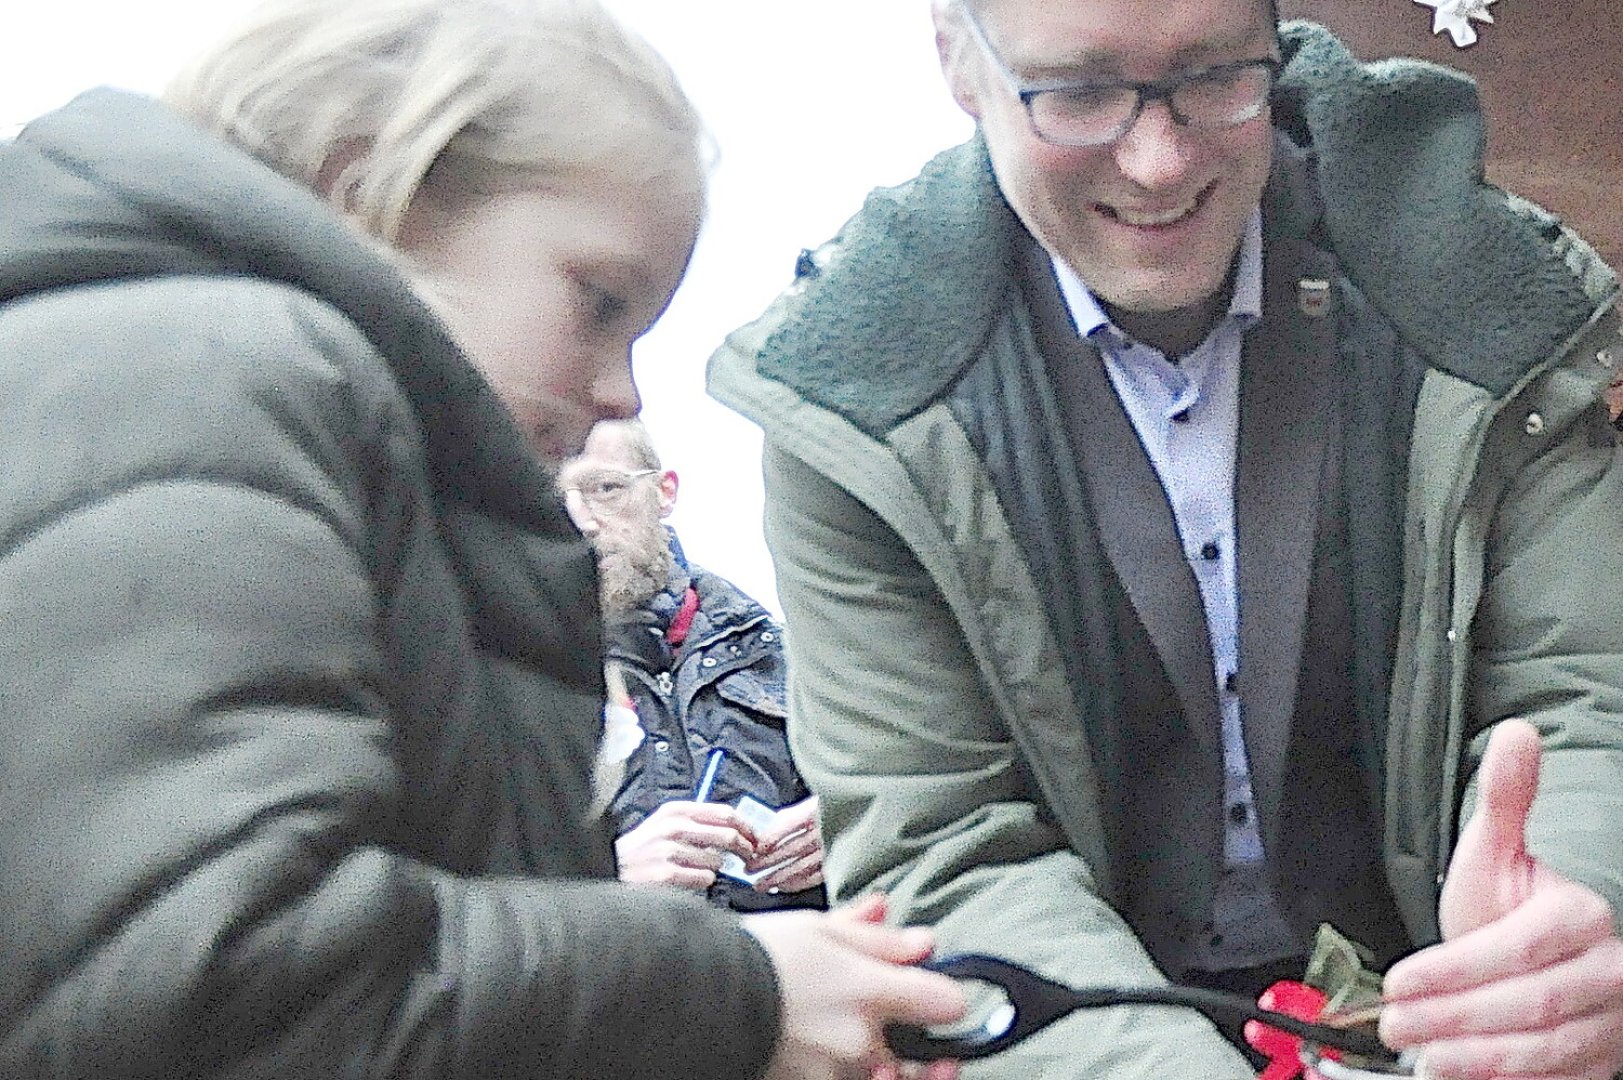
(200, 872)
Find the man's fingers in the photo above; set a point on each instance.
(1579, 987)
(696, 858)
(714, 838)
(800, 874)
(1581, 1048)
(790, 820)
(714, 814)
(1560, 922)
(795, 846)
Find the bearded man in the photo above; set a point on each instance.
(710, 800)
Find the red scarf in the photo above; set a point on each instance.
(682, 621)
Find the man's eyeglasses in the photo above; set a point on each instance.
(608, 489)
(1096, 113)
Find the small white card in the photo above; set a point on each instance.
(760, 817)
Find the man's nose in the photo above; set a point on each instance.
(1157, 152)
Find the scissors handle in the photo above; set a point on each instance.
(1035, 1002)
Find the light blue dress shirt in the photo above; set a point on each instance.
(1187, 416)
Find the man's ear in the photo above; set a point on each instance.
(667, 492)
(954, 49)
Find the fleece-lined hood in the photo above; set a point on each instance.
(167, 199)
(1478, 281)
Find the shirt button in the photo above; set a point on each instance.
(1239, 813)
(709, 661)
(1216, 941)
(1181, 416)
(1209, 551)
(1231, 682)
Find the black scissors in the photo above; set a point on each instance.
(1035, 1002)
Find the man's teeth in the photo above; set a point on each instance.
(1149, 220)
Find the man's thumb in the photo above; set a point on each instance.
(1489, 875)
(1506, 784)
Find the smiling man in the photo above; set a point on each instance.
(1171, 489)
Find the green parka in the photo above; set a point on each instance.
(300, 680)
(929, 704)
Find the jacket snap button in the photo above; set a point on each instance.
(769, 636)
(709, 661)
(662, 746)
(1605, 357)
(1534, 425)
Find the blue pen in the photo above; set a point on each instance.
(707, 780)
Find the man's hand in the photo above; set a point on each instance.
(1529, 978)
(794, 845)
(681, 844)
(840, 985)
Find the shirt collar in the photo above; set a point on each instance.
(1245, 305)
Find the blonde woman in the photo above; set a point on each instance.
(299, 657)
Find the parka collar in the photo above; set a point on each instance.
(1383, 166)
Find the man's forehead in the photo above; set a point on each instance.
(592, 466)
(609, 446)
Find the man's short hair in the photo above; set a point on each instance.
(637, 441)
(1273, 8)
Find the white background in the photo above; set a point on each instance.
(811, 104)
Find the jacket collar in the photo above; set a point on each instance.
(1389, 178)
(723, 609)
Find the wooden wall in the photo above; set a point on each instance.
(1551, 75)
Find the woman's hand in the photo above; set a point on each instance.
(842, 978)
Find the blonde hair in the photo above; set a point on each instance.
(369, 102)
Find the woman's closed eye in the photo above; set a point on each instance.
(606, 306)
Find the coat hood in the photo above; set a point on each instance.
(116, 186)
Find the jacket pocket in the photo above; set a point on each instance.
(749, 689)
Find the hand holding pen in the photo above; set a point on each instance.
(682, 842)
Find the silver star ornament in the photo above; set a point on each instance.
(1455, 16)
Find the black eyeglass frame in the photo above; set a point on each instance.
(1144, 93)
